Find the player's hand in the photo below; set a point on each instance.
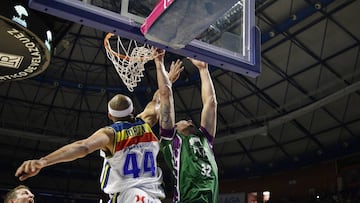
(175, 69)
(29, 169)
(158, 55)
(198, 64)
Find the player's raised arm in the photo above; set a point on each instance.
(165, 80)
(152, 110)
(208, 96)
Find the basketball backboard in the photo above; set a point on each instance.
(232, 42)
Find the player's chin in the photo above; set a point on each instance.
(192, 128)
(31, 201)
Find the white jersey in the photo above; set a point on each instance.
(133, 164)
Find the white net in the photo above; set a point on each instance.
(130, 65)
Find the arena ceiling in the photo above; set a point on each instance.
(303, 108)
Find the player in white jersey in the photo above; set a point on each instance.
(130, 148)
(132, 164)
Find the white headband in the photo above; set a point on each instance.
(122, 113)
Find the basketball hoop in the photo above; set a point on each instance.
(128, 61)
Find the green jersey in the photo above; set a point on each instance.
(194, 169)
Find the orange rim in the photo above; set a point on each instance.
(119, 55)
(107, 47)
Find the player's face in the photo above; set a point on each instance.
(185, 127)
(24, 196)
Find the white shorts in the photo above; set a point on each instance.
(133, 195)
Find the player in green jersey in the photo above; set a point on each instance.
(188, 150)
